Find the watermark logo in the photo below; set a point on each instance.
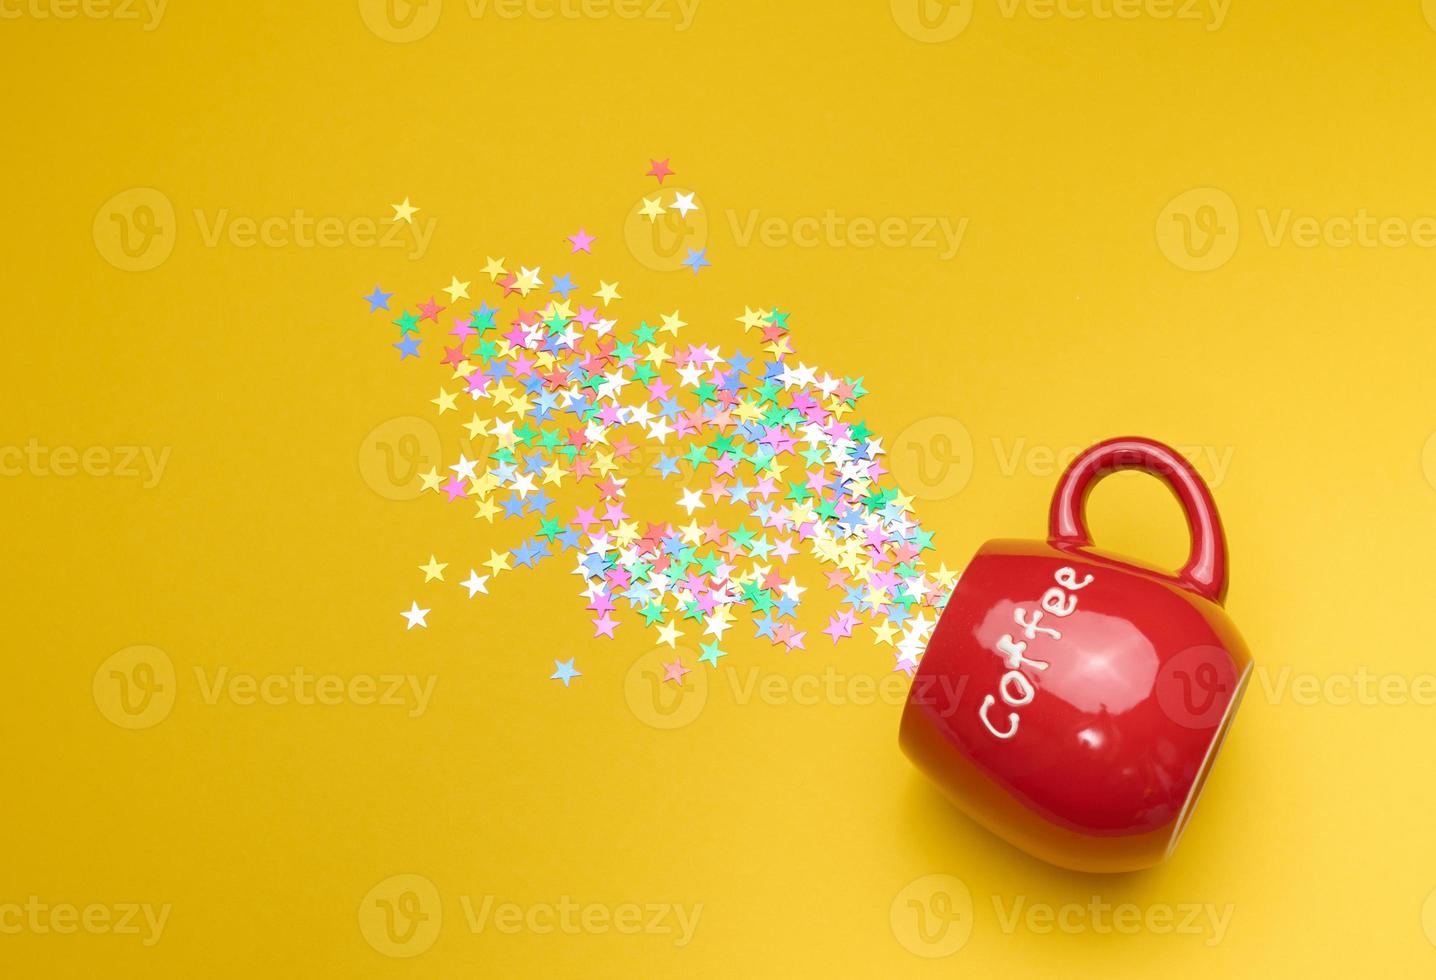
(1195, 687)
(135, 229)
(932, 21)
(932, 458)
(401, 915)
(659, 700)
(1198, 229)
(396, 453)
(661, 236)
(135, 687)
(931, 916)
(401, 21)
(1428, 460)
(1428, 918)
(1428, 10)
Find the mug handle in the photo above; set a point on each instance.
(1205, 572)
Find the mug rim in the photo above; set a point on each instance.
(1199, 783)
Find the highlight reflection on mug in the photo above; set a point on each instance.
(135, 229)
(135, 687)
(932, 916)
(401, 915)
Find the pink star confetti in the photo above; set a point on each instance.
(566, 410)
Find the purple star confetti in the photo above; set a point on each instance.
(573, 400)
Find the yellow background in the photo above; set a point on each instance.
(1069, 314)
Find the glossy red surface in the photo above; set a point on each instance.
(1070, 699)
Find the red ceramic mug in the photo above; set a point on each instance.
(1072, 700)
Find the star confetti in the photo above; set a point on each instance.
(697, 259)
(404, 211)
(563, 405)
(563, 671)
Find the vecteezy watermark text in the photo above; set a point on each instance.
(1098, 915)
(681, 12)
(402, 916)
(573, 918)
(137, 230)
(300, 229)
(136, 688)
(37, 918)
(147, 463)
(148, 13)
(1199, 229)
(306, 689)
(404, 21)
(934, 916)
(940, 233)
(936, 21)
